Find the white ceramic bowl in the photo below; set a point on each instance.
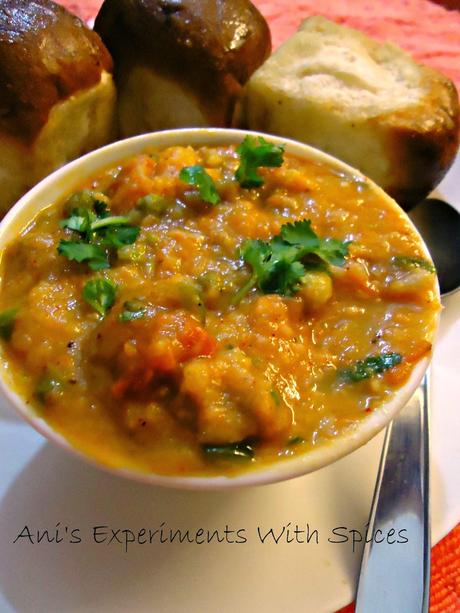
(61, 182)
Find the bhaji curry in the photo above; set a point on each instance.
(209, 310)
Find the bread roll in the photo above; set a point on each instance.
(57, 96)
(181, 63)
(366, 103)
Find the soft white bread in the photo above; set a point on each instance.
(367, 103)
(181, 64)
(57, 99)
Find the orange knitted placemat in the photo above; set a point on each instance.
(445, 576)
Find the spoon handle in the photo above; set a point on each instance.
(395, 573)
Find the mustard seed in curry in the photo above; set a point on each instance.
(204, 311)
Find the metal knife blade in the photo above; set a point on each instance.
(395, 575)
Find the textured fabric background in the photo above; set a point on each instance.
(430, 32)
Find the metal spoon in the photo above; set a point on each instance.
(395, 576)
(439, 224)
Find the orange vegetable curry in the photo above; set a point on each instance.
(204, 311)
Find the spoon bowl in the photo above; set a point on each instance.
(439, 224)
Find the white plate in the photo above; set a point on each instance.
(41, 486)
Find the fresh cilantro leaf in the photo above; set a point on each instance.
(99, 231)
(279, 265)
(301, 234)
(7, 323)
(282, 251)
(258, 254)
(333, 251)
(197, 175)
(370, 366)
(403, 261)
(120, 236)
(231, 451)
(255, 152)
(132, 309)
(80, 220)
(99, 264)
(100, 294)
(284, 279)
(94, 255)
(111, 220)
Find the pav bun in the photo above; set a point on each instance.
(367, 103)
(181, 63)
(57, 98)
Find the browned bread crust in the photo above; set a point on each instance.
(422, 146)
(210, 47)
(46, 55)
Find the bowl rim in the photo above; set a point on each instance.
(49, 191)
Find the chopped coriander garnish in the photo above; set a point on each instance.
(300, 234)
(95, 256)
(403, 261)
(80, 220)
(7, 323)
(255, 152)
(280, 264)
(197, 176)
(119, 236)
(132, 309)
(370, 366)
(276, 396)
(112, 220)
(100, 294)
(231, 451)
(99, 231)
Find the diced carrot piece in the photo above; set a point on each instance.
(196, 342)
(399, 374)
(419, 352)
